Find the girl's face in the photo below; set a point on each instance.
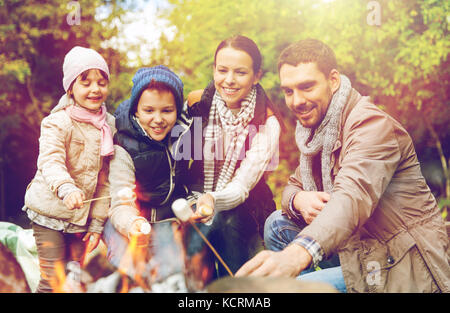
(90, 90)
(234, 76)
(157, 112)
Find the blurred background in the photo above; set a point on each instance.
(395, 51)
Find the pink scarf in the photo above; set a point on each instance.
(99, 121)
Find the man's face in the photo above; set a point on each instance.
(308, 92)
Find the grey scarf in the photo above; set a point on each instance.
(323, 139)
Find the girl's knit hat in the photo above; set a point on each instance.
(144, 76)
(80, 59)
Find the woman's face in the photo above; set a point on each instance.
(234, 76)
(92, 91)
(157, 112)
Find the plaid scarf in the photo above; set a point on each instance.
(221, 119)
(323, 139)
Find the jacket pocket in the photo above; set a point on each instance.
(383, 266)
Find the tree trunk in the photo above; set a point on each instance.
(443, 159)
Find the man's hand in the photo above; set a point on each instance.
(310, 203)
(286, 263)
(207, 200)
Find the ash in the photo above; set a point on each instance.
(173, 283)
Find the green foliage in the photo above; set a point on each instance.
(34, 37)
(401, 63)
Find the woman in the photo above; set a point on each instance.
(241, 130)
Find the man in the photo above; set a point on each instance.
(358, 190)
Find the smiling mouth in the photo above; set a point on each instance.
(158, 130)
(230, 91)
(95, 99)
(304, 110)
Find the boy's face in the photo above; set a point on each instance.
(157, 112)
(308, 92)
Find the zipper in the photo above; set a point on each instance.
(172, 169)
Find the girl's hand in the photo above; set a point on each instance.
(74, 200)
(205, 209)
(93, 240)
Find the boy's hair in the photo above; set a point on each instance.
(161, 77)
(84, 76)
(154, 85)
(160, 86)
(309, 51)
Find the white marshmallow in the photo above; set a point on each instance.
(126, 194)
(181, 209)
(145, 228)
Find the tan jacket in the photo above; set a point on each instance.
(69, 152)
(382, 218)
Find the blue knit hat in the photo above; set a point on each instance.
(161, 74)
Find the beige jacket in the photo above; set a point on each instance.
(382, 218)
(69, 152)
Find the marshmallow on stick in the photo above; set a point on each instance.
(145, 228)
(126, 195)
(181, 209)
(205, 210)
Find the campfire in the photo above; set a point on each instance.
(165, 267)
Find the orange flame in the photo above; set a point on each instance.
(58, 281)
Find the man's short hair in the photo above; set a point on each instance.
(309, 51)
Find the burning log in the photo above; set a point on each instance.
(267, 285)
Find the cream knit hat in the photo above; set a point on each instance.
(80, 59)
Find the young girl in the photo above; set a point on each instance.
(72, 168)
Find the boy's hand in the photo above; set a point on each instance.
(143, 238)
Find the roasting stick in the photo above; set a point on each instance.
(125, 195)
(212, 248)
(94, 199)
(183, 211)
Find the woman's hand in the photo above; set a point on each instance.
(205, 209)
(74, 200)
(93, 240)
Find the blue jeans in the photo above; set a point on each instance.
(279, 231)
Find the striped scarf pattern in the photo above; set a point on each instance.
(218, 171)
